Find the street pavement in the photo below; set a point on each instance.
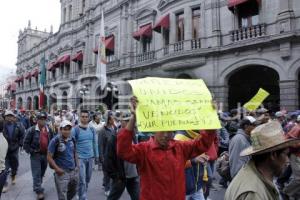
(23, 189)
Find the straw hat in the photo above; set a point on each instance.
(268, 137)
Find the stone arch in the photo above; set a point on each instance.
(184, 76)
(244, 83)
(52, 102)
(29, 103)
(35, 102)
(294, 70)
(231, 69)
(64, 100)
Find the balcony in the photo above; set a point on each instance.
(179, 46)
(248, 33)
(147, 56)
(196, 44)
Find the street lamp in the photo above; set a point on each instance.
(83, 91)
(112, 88)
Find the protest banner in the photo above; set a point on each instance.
(173, 104)
(257, 100)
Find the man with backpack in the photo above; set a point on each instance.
(62, 157)
(87, 150)
(36, 144)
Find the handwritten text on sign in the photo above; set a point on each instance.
(256, 100)
(173, 104)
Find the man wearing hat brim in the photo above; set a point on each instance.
(269, 157)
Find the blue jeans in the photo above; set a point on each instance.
(196, 196)
(85, 174)
(38, 169)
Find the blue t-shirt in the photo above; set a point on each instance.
(63, 152)
(86, 143)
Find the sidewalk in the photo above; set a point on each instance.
(23, 189)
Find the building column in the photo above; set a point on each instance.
(220, 94)
(188, 23)
(172, 28)
(289, 97)
(285, 17)
(216, 27)
(124, 32)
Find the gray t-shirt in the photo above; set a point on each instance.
(130, 170)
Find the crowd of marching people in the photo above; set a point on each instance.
(255, 155)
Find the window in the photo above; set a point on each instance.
(70, 12)
(79, 63)
(248, 14)
(67, 69)
(62, 69)
(53, 74)
(146, 43)
(29, 80)
(83, 6)
(37, 80)
(180, 26)
(196, 23)
(65, 15)
(166, 36)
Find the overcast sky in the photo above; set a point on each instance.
(14, 15)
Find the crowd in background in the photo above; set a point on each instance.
(74, 143)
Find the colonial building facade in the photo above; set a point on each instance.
(235, 46)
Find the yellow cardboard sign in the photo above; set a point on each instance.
(257, 100)
(173, 104)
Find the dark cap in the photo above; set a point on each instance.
(41, 115)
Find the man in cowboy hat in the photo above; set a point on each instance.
(269, 153)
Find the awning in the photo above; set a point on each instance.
(109, 44)
(51, 66)
(234, 3)
(64, 59)
(144, 31)
(35, 72)
(13, 87)
(78, 56)
(164, 22)
(28, 75)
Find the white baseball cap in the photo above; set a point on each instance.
(9, 112)
(251, 119)
(65, 123)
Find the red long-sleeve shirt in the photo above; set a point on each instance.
(162, 170)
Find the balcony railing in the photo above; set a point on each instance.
(179, 46)
(113, 64)
(196, 43)
(145, 56)
(248, 33)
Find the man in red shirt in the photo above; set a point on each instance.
(161, 160)
(36, 144)
(293, 189)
